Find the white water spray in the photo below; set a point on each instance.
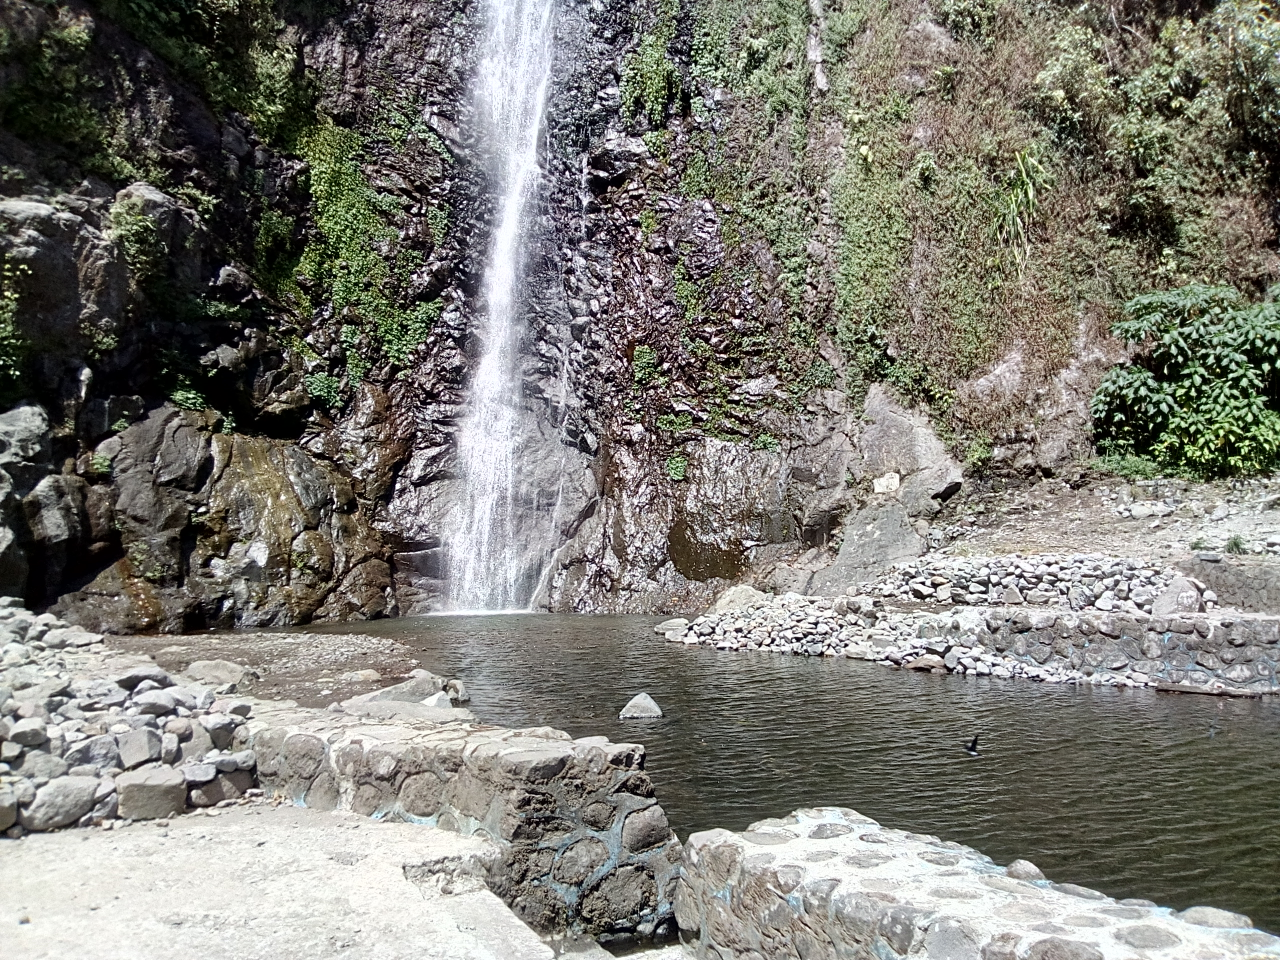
(511, 88)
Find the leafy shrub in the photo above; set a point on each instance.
(1204, 397)
(968, 19)
(13, 345)
(187, 397)
(677, 467)
(1235, 545)
(139, 238)
(644, 365)
(649, 78)
(1074, 93)
(324, 387)
(1249, 68)
(1129, 467)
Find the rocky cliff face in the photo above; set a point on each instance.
(241, 266)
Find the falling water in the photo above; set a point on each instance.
(511, 91)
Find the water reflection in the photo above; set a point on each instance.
(1175, 798)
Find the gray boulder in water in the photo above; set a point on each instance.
(640, 707)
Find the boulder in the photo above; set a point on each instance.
(668, 626)
(151, 793)
(1181, 596)
(8, 808)
(930, 661)
(216, 672)
(640, 707)
(157, 703)
(139, 746)
(147, 672)
(740, 597)
(30, 732)
(1213, 917)
(60, 803)
(1024, 870)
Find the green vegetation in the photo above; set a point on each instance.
(325, 388)
(677, 465)
(139, 239)
(232, 50)
(1204, 397)
(1128, 467)
(186, 396)
(348, 260)
(1051, 164)
(649, 79)
(675, 422)
(1235, 545)
(13, 345)
(644, 365)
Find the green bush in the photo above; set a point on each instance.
(649, 78)
(139, 238)
(969, 19)
(13, 345)
(324, 387)
(1204, 396)
(349, 259)
(677, 467)
(644, 365)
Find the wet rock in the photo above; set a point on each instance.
(1024, 870)
(1213, 917)
(640, 707)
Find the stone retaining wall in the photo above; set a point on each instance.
(1195, 653)
(828, 883)
(1217, 652)
(1252, 585)
(586, 845)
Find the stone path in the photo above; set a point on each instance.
(256, 882)
(830, 884)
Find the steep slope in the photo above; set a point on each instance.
(786, 248)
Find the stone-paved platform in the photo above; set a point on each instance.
(828, 883)
(256, 882)
(584, 844)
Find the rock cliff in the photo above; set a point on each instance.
(242, 245)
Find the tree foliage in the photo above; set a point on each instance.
(1203, 397)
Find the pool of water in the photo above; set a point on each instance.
(1171, 797)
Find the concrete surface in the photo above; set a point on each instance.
(255, 882)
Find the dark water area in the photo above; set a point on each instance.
(1175, 798)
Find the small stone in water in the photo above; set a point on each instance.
(640, 707)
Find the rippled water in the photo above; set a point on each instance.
(1171, 797)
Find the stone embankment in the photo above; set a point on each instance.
(90, 737)
(829, 883)
(585, 845)
(1079, 581)
(1197, 652)
(87, 739)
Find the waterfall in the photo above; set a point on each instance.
(511, 85)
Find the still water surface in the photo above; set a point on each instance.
(1171, 797)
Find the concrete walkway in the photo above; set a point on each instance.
(255, 882)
